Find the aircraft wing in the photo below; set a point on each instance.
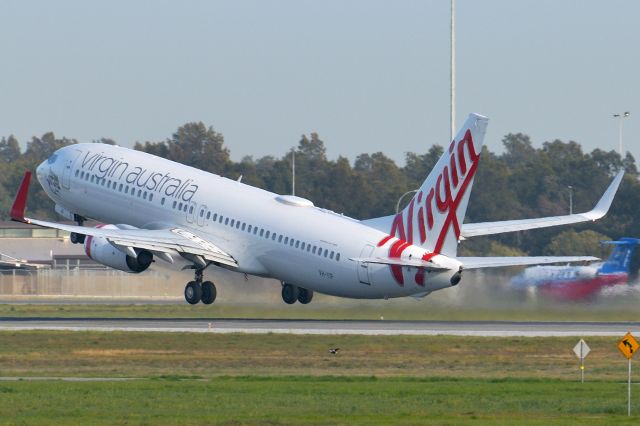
(497, 262)
(172, 240)
(418, 263)
(489, 228)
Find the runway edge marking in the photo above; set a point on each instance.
(230, 330)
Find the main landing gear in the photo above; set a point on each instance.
(292, 294)
(198, 291)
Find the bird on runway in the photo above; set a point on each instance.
(334, 351)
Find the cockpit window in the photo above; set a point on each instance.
(52, 158)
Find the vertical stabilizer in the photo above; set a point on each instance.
(620, 258)
(433, 218)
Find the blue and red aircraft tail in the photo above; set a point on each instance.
(620, 258)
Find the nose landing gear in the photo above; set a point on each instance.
(198, 291)
(76, 238)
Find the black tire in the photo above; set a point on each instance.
(76, 238)
(193, 292)
(290, 294)
(208, 292)
(304, 295)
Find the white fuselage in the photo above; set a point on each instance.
(312, 247)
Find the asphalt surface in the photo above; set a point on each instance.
(260, 326)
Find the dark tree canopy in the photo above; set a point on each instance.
(9, 149)
(193, 144)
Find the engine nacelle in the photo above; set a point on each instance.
(100, 250)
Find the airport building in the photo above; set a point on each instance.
(29, 247)
(40, 262)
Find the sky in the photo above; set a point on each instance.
(366, 75)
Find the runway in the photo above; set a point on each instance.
(332, 327)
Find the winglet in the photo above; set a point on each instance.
(607, 198)
(20, 202)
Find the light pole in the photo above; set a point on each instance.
(570, 199)
(620, 117)
(453, 71)
(293, 171)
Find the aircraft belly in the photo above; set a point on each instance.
(301, 269)
(327, 276)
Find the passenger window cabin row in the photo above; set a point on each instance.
(112, 184)
(186, 207)
(273, 236)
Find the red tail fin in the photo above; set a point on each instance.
(20, 202)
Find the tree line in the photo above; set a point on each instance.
(523, 181)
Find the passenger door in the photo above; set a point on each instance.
(68, 167)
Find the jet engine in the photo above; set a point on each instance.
(102, 251)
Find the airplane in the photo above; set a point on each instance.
(572, 283)
(153, 208)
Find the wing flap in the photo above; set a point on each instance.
(172, 249)
(490, 228)
(497, 262)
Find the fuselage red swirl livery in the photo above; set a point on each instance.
(158, 209)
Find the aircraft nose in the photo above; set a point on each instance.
(41, 172)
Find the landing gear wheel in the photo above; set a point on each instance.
(208, 292)
(193, 292)
(304, 295)
(76, 238)
(290, 294)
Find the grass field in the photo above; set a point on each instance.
(315, 400)
(143, 355)
(185, 378)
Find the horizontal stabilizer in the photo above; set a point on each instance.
(497, 262)
(418, 263)
(490, 228)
